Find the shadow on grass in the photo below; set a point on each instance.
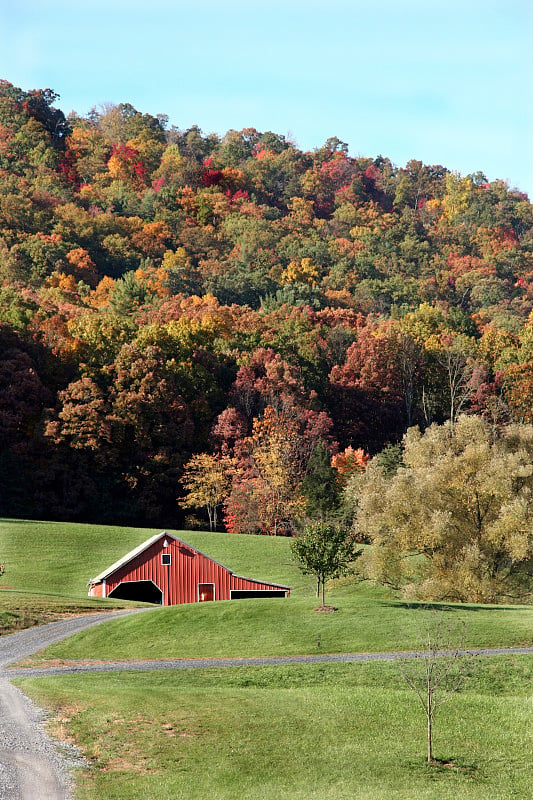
(421, 606)
(451, 765)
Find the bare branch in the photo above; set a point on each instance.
(440, 667)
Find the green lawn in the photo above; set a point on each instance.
(60, 558)
(341, 732)
(283, 627)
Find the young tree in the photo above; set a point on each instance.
(440, 667)
(325, 551)
(207, 480)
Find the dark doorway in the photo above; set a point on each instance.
(244, 594)
(142, 591)
(206, 592)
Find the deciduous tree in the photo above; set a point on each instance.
(207, 481)
(440, 667)
(325, 551)
(455, 522)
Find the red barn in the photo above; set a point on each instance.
(168, 571)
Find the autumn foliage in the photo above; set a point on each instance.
(177, 306)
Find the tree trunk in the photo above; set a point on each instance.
(429, 712)
(323, 592)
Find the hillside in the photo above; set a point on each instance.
(58, 559)
(150, 734)
(162, 289)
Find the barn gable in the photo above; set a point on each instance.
(166, 570)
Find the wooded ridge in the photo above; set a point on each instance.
(167, 295)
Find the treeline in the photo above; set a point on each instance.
(166, 294)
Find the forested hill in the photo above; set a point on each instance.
(165, 293)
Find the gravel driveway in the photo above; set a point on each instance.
(32, 766)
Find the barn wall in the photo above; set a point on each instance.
(249, 584)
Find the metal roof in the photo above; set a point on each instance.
(164, 534)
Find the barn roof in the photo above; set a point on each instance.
(164, 534)
(129, 556)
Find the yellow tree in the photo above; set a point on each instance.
(275, 458)
(455, 522)
(458, 195)
(207, 481)
(303, 271)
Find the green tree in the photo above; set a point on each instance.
(320, 485)
(127, 295)
(455, 522)
(325, 551)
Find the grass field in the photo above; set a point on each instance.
(282, 627)
(313, 732)
(48, 565)
(60, 558)
(320, 732)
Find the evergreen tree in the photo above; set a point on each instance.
(320, 485)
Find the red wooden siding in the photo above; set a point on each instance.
(178, 581)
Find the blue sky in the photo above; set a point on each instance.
(444, 82)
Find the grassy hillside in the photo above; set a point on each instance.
(60, 558)
(363, 623)
(354, 731)
(342, 732)
(48, 565)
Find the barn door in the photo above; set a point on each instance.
(206, 591)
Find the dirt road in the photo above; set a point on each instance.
(32, 766)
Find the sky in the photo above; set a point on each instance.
(444, 82)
